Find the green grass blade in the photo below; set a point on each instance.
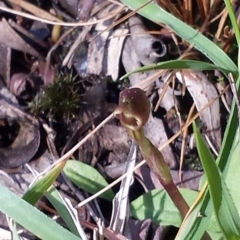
(199, 225)
(179, 64)
(41, 186)
(56, 200)
(31, 218)
(229, 137)
(158, 15)
(233, 20)
(224, 208)
(235, 26)
(194, 226)
(232, 175)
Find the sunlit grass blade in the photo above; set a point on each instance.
(233, 20)
(41, 186)
(232, 175)
(158, 15)
(192, 227)
(234, 25)
(179, 64)
(224, 208)
(197, 227)
(56, 200)
(31, 218)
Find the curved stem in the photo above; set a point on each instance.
(156, 162)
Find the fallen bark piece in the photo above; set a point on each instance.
(16, 150)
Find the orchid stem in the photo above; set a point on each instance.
(133, 111)
(155, 161)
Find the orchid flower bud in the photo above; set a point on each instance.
(133, 108)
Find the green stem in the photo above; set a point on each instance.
(155, 161)
(133, 111)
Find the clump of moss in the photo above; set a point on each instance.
(59, 99)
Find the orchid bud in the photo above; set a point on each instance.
(133, 108)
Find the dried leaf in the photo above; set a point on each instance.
(202, 92)
(11, 39)
(114, 52)
(35, 10)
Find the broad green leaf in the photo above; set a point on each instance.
(179, 64)
(224, 208)
(56, 200)
(41, 186)
(158, 15)
(31, 218)
(87, 178)
(158, 206)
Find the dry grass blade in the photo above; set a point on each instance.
(221, 23)
(149, 80)
(120, 212)
(66, 24)
(80, 39)
(119, 21)
(171, 8)
(187, 12)
(166, 85)
(184, 133)
(35, 10)
(206, 6)
(202, 9)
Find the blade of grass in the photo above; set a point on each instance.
(201, 209)
(41, 186)
(179, 64)
(56, 200)
(233, 19)
(158, 15)
(234, 25)
(224, 208)
(198, 225)
(233, 172)
(31, 218)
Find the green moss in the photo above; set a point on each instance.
(60, 99)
